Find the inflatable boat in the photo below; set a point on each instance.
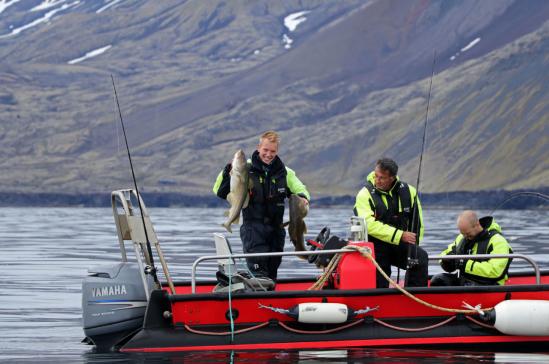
(126, 308)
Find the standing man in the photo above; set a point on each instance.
(262, 229)
(388, 206)
(476, 237)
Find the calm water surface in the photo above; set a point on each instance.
(46, 252)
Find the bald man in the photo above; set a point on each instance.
(477, 236)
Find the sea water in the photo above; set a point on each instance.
(45, 254)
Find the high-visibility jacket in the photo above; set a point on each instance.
(389, 213)
(489, 241)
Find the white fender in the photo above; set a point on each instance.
(522, 317)
(322, 313)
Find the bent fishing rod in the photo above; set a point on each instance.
(152, 270)
(413, 261)
(518, 194)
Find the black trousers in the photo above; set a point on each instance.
(446, 279)
(262, 238)
(388, 255)
(452, 279)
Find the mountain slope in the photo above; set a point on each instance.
(199, 79)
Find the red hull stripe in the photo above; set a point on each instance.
(350, 343)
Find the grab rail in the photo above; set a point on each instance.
(250, 255)
(491, 256)
(333, 251)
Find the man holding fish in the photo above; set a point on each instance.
(258, 188)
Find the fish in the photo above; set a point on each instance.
(296, 226)
(238, 196)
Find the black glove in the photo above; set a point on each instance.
(449, 265)
(460, 264)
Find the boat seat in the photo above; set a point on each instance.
(240, 281)
(222, 247)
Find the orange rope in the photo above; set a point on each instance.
(366, 254)
(319, 284)
(480, 323)
(200, 332)
(329, 331)
(414, 329)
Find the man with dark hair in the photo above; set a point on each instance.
(477, 236)
(273, 182)
(393, 215)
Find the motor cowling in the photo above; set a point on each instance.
(113, 303)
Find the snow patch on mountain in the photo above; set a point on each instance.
(466, 48)
(90, 54)
(46, 4)
(44, 19)
(291, 22)
(4, 4)
(470, 45)
(108, 5)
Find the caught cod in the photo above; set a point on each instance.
(296, 226)
(238, 196)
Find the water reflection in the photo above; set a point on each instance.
(321, 356)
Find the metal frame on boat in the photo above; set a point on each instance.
(125, 310)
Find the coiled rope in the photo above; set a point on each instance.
(327, 273)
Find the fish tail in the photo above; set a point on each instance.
(228, 227)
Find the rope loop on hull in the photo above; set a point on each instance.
(365, 252)
(226, 333)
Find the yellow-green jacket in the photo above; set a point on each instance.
(384, 228)
(489, 241)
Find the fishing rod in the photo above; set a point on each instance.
(152, 269)
(413, 261)
(517, 194)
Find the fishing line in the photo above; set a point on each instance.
(426, 119)
(149, 250)
(115, 124)
(517, 194)
(416, 224)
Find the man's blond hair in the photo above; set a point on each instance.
(271, 135)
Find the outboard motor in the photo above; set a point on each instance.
(113, 303)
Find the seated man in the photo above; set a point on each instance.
(392, 211)
(476, 237)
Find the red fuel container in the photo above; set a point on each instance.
(355, 271)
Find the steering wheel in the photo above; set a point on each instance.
(321, 238)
